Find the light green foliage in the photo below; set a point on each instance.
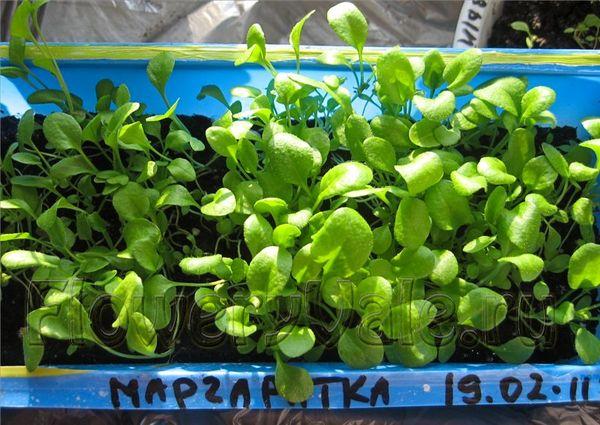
(349, 24)
(343, 243)
(360, 348)
(516, 350)
(482, 308)
(412, 224)
(395, 77)
(422, 172)
(350, 213)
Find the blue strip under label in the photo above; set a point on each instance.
(236, 386)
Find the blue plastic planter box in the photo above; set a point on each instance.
(574, 75)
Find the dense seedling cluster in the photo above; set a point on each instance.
(384, 235)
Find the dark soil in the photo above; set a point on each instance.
(194, 343)
(546, 19)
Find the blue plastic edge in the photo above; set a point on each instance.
(232, 386)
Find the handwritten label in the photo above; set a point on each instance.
(182, 390)
(474, 23)
(469, 389)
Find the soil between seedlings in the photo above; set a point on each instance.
(546, 19)
(198, 340)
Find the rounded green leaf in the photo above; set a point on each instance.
(285, 235)
(412, 224)
(415, 351)
(414, 264)
(182, 170)
(127, 298)
(71, 166)
(379, 153)
(563, 314)
(582, 212)
(583, 267)
(460, 70)
(448, 210)
(201, 265)
(516, 350)
(392, 129)
(422, 172)
(142, 238)
(582, 173)
(395, 77)
(176, 195)
(587, 346)
(234, 321)
(304, 268)
(222, 141)
(293, 383)
(478, 244)
(294, 341)
(466, 179)
(520, 149)
(503, 92)
(287, 90)
(220, 204)
(273, 206)
(159, 70)
(360, 348)
(495, 204)
(208, 300)
(269, 271)
(540, 291)
(131, 201)
(482, 308)
(141, 335)
(62, 131)
(446, 267)
(372, 295)
(338, 293)
(556, 159)
(429, 134)
(343, 244)
(523, 226)
(258, 233)
(535, 101)
(158, 294)
(382, 239)
(133, 137)
(349, 24)
(530, 266)
(408, 318)
(592, 126)
(538, 174)
(494, 171)
(344, 178)
(70, 323)
(20, 259)
(33, 348)
(437, 109)
(546, 208)
(434, 69)
(520, 26)
(357, 130)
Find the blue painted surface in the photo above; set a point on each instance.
(578, 96)
(336, 386)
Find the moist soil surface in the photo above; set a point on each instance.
(546, 19)
(198, 340)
